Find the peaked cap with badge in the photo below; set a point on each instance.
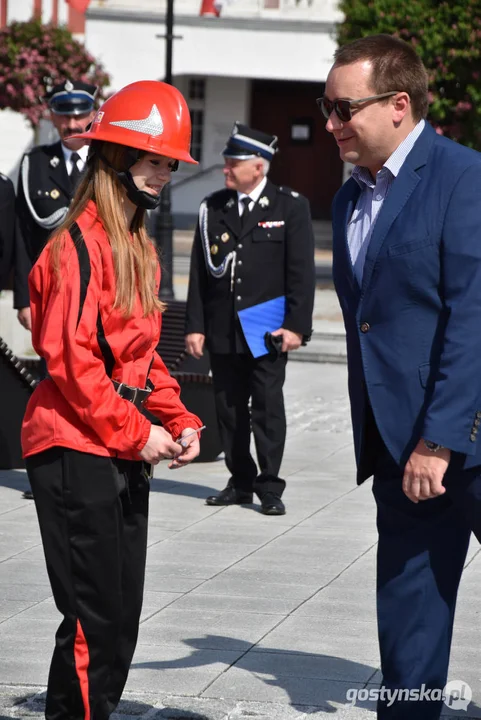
(45, 189)
(246, 143)
(71, 98)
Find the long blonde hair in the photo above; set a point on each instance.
(134, 256)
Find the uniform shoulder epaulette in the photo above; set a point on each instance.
(37, 149)
(218, 197)
(288, 191)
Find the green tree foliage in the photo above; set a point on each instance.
(35, 56)
(447, 36)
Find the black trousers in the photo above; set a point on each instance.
(92, 513)
(421, 553)
(238, 379)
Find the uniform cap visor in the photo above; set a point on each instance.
(72, 108)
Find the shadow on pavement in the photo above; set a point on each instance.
(325, 669)
(177, 487)
(337, 674)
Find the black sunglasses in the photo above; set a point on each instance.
(343, 108)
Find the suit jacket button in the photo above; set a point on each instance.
(478, 414)
(239, 280)
(365, 327)
(239, 297)
(472, 437)
(239, 247)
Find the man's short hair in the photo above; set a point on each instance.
(395, 66)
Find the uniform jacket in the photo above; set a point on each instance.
(272, 260)
(7, 228)
(77, 406)
(44, 180)
(414, 328)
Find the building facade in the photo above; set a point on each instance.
(262, 62)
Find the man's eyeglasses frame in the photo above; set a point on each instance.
(342, 107)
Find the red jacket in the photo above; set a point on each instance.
(77, 406)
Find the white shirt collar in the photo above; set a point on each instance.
(82, 152)
(254, 194)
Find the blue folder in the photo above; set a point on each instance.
(259, 319)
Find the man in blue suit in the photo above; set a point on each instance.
(407, 270)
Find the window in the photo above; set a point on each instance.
(197, 89)
(196, 95)
(197, 119)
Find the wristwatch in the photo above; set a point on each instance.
(433, 447)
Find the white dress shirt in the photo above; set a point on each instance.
(67, 154)
(254, 195)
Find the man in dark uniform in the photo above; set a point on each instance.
(253, 243)
(47, 179)
(7, 228)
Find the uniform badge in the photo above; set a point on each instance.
(214, 249)
(225, 237)
(264, 201)
(271, 224)
(54, 161)
(230, 203)
(54, 194)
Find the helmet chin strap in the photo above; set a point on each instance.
(138, 197)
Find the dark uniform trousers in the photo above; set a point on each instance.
(238, 377)
(92, 513)
(421, 553)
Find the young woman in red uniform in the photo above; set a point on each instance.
(96, 321)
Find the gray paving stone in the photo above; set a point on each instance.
(244, 616)
(210, 630)
(197, 600)
(181, 708)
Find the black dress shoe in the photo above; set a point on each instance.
(28, 495)
(272, 505)
(230, 496)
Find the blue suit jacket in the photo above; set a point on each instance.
(419, 357)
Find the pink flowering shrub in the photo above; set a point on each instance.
(34, 56)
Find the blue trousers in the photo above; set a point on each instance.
(421, 553)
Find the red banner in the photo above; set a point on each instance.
(210, 7)
(78, 5)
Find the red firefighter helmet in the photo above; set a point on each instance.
(147, 115)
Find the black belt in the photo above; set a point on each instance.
(137, 396)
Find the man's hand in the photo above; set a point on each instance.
(424, 473)
(194, 344)
(290, 340)
(190, 448)
(24, 317)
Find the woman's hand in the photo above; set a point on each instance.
(190, 448)
(159, 446)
